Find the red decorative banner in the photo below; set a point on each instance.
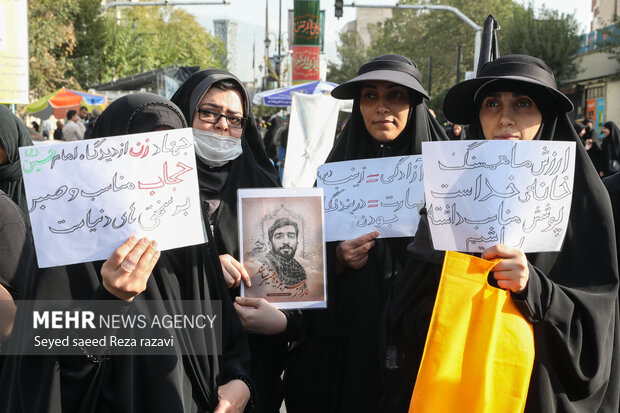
(305, 63)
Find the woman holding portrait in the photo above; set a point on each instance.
(338, 359)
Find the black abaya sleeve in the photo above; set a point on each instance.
(16, 250)
(575, 334)
(235, 350)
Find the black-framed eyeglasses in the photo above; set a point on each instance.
(210, 116)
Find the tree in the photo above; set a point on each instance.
(553, 37)
(89, 28)
(73, 45)
(51, 43)
(147, 38)
(352, 55)
(420, 34)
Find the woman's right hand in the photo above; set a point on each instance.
(7, 313)
(259, 316)
(234, 272)
(353, 253)
(128, 269)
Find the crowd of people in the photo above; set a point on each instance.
(362, 353)
(78, 125)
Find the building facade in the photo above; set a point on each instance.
(595, 90)
(226, 31)
(364, 19)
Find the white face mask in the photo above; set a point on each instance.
(216, 150)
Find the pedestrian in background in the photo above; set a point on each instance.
(73, 129)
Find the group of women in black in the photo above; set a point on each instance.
(361, 353)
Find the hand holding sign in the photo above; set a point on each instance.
(512, 272)
(354, 253)
(128, 269)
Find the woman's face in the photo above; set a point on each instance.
(509, 115)
(3, 157)
(385, 109)
(606, 132)
(215, 102)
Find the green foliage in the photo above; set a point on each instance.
(146, 38)
(419, 34)
(73, 45)
(352, 55)
(88, 29)
(51, 43)
(553, 37)
(262, 110)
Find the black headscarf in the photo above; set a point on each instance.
(578, 128)
(13, 135)
(339, 360)
(611, 144)
(272, 139)
(571, 298)
(136, 113)
(595, 152)
(252, 169)
(172, 383)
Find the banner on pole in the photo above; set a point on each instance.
(14, 81)
(306, 40)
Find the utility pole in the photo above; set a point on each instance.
(279, 64)
(266, 44)
(430, 74)
(458, 63)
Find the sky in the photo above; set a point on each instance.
(250, 16)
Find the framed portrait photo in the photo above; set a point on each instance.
(282, 246)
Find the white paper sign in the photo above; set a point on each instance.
(372, 194)
(483, 193)
(86, 198)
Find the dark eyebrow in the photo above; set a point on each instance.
(514, 94)
(219, 108)
(389, 86)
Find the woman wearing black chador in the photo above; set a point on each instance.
(336, 368)
(570, 297)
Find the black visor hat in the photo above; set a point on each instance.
(458, 104)
(389, 68)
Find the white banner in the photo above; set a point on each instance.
(483, 193)
(14, 81)
(372, 194)
(86, 198)
(310, 137)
